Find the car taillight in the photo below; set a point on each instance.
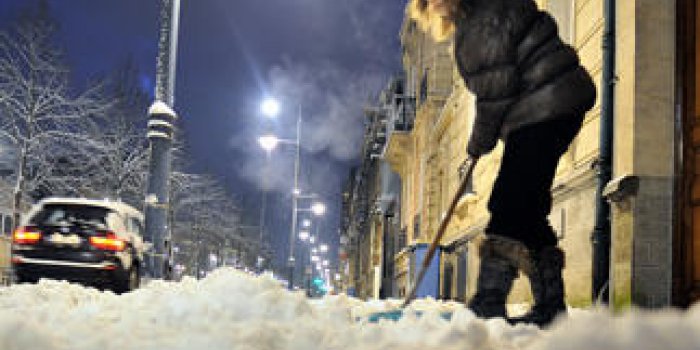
(26, 235)
(108, 242)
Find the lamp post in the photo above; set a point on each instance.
(160, 135)
(291, 263)
(261, 260)
(270, 107)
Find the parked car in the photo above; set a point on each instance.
(94, 242)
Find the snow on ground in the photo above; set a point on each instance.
(233, 310)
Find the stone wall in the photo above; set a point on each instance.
(644, 119)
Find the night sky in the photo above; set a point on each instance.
(329, 56)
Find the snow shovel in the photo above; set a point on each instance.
(395, 315)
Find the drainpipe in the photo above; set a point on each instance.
(601, 232)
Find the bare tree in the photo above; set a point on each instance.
(39, 113)
(118, 152)
(205, 218)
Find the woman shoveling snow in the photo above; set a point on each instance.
(532, 93)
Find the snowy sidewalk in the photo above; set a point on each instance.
(233, 310)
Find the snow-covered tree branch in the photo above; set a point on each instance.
(39, 113)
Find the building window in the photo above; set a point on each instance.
(424, 87)
(563, 13)
(6, 224)
(462, 274)
(416, 227)
(401, 240)
(447, 276)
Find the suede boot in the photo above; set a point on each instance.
(500, 257)
(547, 285)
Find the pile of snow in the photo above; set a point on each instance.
(233, 310)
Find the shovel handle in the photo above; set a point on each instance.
(441, 231)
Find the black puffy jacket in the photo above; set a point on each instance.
(511, 57)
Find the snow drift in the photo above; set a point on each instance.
(233, 310)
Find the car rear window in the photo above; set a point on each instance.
(70, 214)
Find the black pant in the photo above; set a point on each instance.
(521, 199)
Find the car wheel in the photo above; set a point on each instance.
(134, 278)
(126, 281)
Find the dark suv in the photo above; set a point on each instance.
(93, 242)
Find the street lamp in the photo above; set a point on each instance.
(323, 248)
(268, 142)
(161, 131)
(318, 209)
(303, 235)
(306, 223)
(270, 107)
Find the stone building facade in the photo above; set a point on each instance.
(370, 234)
(655, 232)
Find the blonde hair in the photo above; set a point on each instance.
(440, 28)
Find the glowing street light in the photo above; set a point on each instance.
(304, 235)
(268, 142)
(306, 223)
(325, 263)
(318, 209)
(314, 251)
(270, 107)
(323, 248)
(315, 258)
(312, 239)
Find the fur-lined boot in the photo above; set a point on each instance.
(547, 287)
(500, 258)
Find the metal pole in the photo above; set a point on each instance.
(292, 237)
(160, 134)
(306, 263)
(308, 269)
(262, 230)
(167, 51)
